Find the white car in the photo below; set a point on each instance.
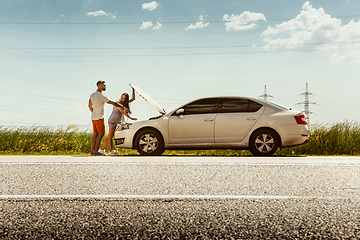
(215, 123)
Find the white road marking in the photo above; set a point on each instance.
(173, 197)
(184, 160)
(183, 163)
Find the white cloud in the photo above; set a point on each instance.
(198, 25)
(157, 26)
(150, 6)
(146, 25)
(149, 24)
(242, 22)
(97, 13)
(314, 29)
(101, 13)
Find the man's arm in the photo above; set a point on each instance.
(123, 112)
(90, 106)
(118, 105)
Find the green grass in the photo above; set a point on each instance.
(44, 140)
(337, 139)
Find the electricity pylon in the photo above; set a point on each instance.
(265, 96)
(307, 104)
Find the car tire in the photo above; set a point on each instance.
(149, 143)
(264, 143)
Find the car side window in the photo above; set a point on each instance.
(254, 106)
(231, 105)
(201, 106)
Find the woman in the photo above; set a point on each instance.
(116, 117)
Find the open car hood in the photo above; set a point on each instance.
(148, 99)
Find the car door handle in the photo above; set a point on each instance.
(251, 118)
(208, 119)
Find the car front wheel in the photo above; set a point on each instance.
(149, 143)
(264, 143)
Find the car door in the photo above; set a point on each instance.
(235, 118)
(195, 124)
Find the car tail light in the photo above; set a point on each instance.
(300, 119)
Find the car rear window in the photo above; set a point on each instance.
(253, 106)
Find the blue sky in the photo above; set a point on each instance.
(53, 52)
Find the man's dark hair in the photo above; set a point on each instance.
(99, 82)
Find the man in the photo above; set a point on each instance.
(96, 105)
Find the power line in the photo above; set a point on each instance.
(177, 54)
(340, 109)
(38, 80)
(22, 93)
(340, 106)
(174, 47)
(163, 22)
(39, 100)
(41, 113)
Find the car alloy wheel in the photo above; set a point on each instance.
(149, 142)
(264, 143)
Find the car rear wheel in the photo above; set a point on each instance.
(264, 143)
(149, 143)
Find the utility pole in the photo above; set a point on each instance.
(307, 104)
(265, 96)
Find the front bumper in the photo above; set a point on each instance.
(119, 141)
(124, 136)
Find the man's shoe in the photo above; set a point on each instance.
(113, 153)
(97, 154)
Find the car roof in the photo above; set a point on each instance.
(260, 101)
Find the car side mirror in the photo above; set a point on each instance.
(181, 111)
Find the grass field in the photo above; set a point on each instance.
(337, 139)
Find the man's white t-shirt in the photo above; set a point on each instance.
(98, 101)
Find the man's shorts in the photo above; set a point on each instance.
(98, 126)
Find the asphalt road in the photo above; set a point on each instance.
(58, 197)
